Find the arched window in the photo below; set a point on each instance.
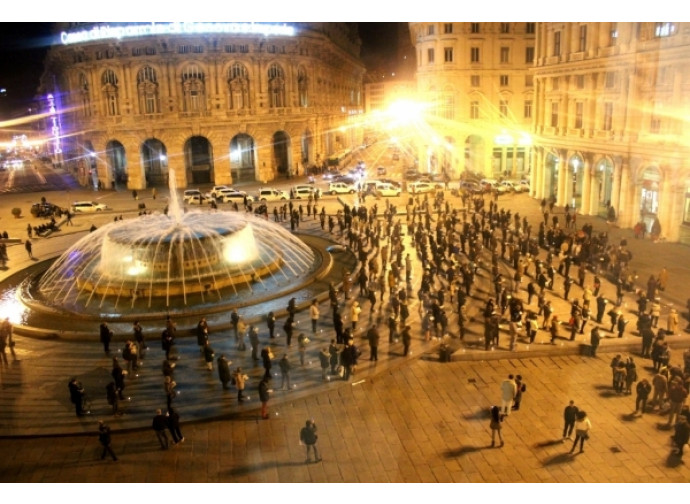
(110, 93)
(147, 88)
(238, 87)
(276, 86)
(85, 96)
(193, 89)
(302, 87)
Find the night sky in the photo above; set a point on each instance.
(23, 47)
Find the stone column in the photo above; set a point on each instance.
(676, 204)
(563, 177)
(586, 186)
(135, 168)
(536, 174)
(626, 214)
(616, 188)
(595, 179)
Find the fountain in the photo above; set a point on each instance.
(182, 262)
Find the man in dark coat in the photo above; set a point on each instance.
(106, 336)
(373, 337)
(76, 395)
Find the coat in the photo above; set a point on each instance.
(224, 370)
(672, 323)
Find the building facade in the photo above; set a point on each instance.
(474, 78)
(215, 102)
(610, 125)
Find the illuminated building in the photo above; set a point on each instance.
(475, 79)
(611, 120)
(216, 102)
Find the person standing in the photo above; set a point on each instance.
(302, 341)
(314, 314)
(105, 439)
(202, 334)
(520, 388)
(209, 354)
(324, 361)
(224, 371)
(29, 248)
(308, 437)
(271, 324)
(354, 315)
(264, 392)
(594, 340)
(373, 337)
(582, 428)
(240, 381)
(569, 417)
(138, 332)
(681, 435)
(105, 335)
(254, 341)
(76, 395)
(406, 340)
(266, 358)
(508, 391)
(644, 388)
(118, 375)
(285, 368)
(672, 322)
(169, 386)
(288, 327)
(495, 425)
(159, 425)
(334, 354)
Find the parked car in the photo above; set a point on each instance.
(380, 170)
(272, 194)
(194, 197)
(341, 188)
(45, 209)
(422, 187)
(511, 186)
(232, 195)
(471, 187)
(88, 206)
(216, 190)
(386, 189)
(412, 174)
(302, 191)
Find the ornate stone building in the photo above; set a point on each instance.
(611, 120)
(216, 102)
(475, 79)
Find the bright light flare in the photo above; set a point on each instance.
(406, 111)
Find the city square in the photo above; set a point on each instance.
(418, 412)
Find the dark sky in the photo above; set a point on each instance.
(23, 47)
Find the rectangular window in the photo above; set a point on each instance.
(529, 55)
(580, 81)
(448, 54)
(475, 81)
(430, 55)
(447, 28)
(505, 54)
(608, 116)
(474, 110)
(579, 111)
(503, 108)
(528, 109)
(530, 28)
(136, 51)
(610, 80)
(583, 38)
(230, 48)
(244, 48)
(474, 54)
(430, 30)
(197, 49)
(503, 80)
(557, 43)
(505, 27)
(529, 80)
(554, 114)
(664, 29)
(474, 27)
(613, 34)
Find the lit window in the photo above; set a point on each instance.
(664, 29)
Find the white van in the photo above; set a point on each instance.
(387, 189)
